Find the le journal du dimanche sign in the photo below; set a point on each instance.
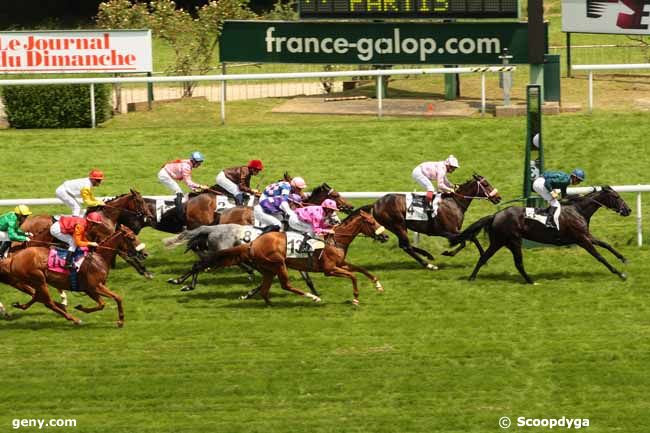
(75, 51)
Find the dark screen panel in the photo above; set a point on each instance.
(408, 8)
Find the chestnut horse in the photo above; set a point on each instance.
(131, 203)
(508, 227)
(390, 211)
(29, 268)
(268, 253)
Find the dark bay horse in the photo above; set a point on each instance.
(390, 211)
(268, 253)
(29, 268)
(508, 227)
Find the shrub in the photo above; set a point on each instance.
(55, 106)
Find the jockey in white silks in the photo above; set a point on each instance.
(69, 190)
(424, 173)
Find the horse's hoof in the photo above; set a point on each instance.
(624, 261)
(17, 305)
(355, 302)
(379, 287)
(187, 289)
(120, 323)
(623, 276)
(446, 253)
(148, 275)
(243, 297)
(316, 299)
(78, 322)
(173, 281)
(79, 307)
(432, 267)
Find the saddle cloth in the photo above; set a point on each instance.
(56, 259)
(249, 233)
(415, 208)
(294, 244)
(163, 206)
(537, 214)
(226, 202)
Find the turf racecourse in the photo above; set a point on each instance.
(435, 353)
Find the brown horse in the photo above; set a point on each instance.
(268, 253)
(28, 267)
(131, 203)
(508, 227)
(390, 211)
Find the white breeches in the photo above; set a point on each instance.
(539, 188)
(166, 179)
(299, 225)
(421, 179)
(266, 219)
(70, 200)
(4, 236)
(227, 184)
(55, 230)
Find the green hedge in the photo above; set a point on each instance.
(55, 106)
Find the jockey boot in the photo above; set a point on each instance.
(550, 219)
(4, 248)
(428, 200)
(271, 228)
(305, 248)
(178, 203)
(68, 260)
(239, 199)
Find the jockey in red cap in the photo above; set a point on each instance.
(69, 190)
(237, 180)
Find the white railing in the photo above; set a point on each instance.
(223, 78)
(592, 68)
(638, 189)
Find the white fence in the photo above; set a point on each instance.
(638, 189)
(592, 68)
(223, 78)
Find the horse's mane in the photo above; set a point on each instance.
(322, 187)
(366, 208)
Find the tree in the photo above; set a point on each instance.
(192, 38)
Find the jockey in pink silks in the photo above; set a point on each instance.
(428, 171)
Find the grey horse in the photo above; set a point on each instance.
(206, 241)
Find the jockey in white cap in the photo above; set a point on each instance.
(430, 170)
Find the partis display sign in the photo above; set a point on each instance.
(75, 51)
(606, 16)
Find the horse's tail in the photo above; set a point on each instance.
(190, 237)
(233, 256)
(471, 231)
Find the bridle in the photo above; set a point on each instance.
(487, 195)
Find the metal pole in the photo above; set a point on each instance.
(639, 233)
(380, 91)
(223, 102)
(223, 72)
(482, 93)
(92, 105)
(591, 91)
(568, 55)
(149, 93)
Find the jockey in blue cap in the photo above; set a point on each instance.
(547, 186)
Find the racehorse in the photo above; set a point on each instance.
(390, 211)
(268, 253)
(29, 267)
(131, 203)
(508, 227)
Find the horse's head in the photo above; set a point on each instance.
(132, 250)
(484, 189)
(612, 200)
(324, 191)
(370, 227)
(140, 206)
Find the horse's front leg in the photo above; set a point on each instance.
(354, 268)
(343, 273)
(609, 248)
(589, 246)
(105, 291)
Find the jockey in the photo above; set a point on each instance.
(181, 169)
(10, 228)
(428, 171)
(72, 231)
(547, 185)
(270, 211)
(314, 220)
(69, 190)
(237, 180)
(297, 185)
